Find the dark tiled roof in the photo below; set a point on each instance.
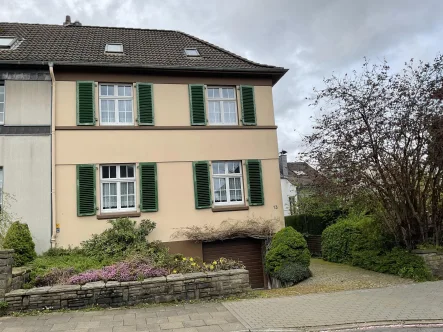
(302, 174)
(25, 130)
(142, 47)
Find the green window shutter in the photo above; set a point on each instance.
(255, 182)
(202, 185)
(86, 190)
(85, 103)
(148, 187)
(248, 105)
(197, 104)
(145, 104)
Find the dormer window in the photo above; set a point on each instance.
(7, 42)
(192, 52)
(114, 48)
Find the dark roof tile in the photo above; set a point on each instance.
(142, 47)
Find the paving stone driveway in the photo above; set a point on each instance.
(211, 317)
(414, 302)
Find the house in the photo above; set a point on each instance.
(25, 145)
(296, 179)
(154, 124)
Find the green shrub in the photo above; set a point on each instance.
(292, 273)
(18, 237)
(396, 261)
(359, 240)
(310, 224)
(288, 246)
(124, 237)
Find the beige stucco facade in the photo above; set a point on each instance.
(172, 144)
(26, 162)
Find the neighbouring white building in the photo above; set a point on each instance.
(294, 177)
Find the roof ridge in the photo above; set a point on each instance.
(226, 51)
(88, 26)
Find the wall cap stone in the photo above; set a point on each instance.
(95, 284)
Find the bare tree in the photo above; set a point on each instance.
(381, 134)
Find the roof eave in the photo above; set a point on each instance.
(276, 73)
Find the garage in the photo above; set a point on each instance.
(248, 251)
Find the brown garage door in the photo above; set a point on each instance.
(246, 250)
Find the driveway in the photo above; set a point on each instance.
(331, 277)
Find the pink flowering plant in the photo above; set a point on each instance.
(123, 271)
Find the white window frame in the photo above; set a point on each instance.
(196, 54)
(2, 87)
(13, 40)
(118, 180)
(221, 100)
(107, 48)
(226, 176)
(116, 98)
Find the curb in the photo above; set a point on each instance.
(437, 323)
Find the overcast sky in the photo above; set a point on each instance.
(313, 38)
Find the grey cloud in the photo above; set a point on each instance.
(311, 38)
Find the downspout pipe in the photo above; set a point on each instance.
(53, 201)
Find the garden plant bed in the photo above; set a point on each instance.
(190, 286)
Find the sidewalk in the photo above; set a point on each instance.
(414, 302)
(406, 303)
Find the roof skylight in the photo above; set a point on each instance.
(114, 48)
(192, 52)
(7, 42)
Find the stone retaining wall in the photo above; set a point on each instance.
(433, 259)
(154, 290)
(20, 276)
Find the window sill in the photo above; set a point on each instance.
(118, 215)
(229, 208)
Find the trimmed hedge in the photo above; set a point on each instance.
(288, 246)
(358, 240)
(18, 237)
(311, 224)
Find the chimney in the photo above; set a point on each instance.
(283, 164)
(67, 21)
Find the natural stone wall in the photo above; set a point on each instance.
(433, 259)
(6, 262)
(20, 276)
(112, 293)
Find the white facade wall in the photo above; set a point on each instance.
(287, 190)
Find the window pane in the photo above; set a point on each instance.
(113, 172)
(214, 112)
(213, 93)
(218, 168)
(131, 201)
(234, 167)
(125, 111)
(113, 189)
(131, 188)
(105, 172)
(124, 188)
(128, 91)
(228, 93)
(220, 190)
(103, 90)
(107, 108)
(123, 171)
(130, 171)
(229, 112)
(121, 90)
